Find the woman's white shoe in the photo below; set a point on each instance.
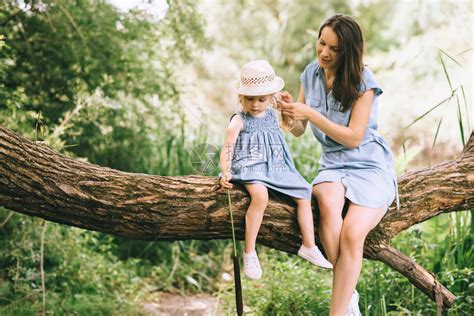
(353, 309)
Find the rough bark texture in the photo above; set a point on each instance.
(37, 181)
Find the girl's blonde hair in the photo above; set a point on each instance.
(240, 104)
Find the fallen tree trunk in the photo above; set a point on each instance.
(38, 181)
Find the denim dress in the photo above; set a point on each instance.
(366, 172)
(261, 155)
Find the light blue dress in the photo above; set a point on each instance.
(366, 172)
(261, 155)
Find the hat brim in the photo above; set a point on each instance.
(276, 85)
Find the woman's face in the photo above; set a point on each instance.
(327, 48)
(255, 104)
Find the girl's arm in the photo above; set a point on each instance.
(349, 136)
(227, 152)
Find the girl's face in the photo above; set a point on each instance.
(255, 105)
(328, 48)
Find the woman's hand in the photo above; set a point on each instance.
(225, 180)
(295, 111)
(287, 97)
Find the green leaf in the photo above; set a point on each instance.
(461, 128)
(467, 110)
(429, 111)
(437, 131)
(445, 71)
(450, 57)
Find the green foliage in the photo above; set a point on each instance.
(443, 245)
(81, 274)
(55, 50)
(93, 273)
(182, 266)
(285, 32)
(133, 135)
(305, 152)
(289, 286)
(98, 84)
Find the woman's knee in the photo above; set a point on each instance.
(352, 237)
(330, 200)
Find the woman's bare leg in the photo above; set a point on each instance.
(358, 222)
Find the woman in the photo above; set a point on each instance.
(338, 96)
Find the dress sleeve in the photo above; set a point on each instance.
(369, 83)
(306, 76)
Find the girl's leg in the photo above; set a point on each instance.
(330, 197)
(358, 222)
(309, 250)
(254, 216)
(305, 221)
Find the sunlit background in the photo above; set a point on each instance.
(407, 44)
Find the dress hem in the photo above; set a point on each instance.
(274, 188)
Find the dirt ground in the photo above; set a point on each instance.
(176, 305)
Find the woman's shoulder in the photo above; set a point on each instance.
(308, 77)
(367, 72)
(311, 67)
(369, 82)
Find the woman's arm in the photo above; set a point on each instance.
(298, 127)
(227, 151)
(349, 136)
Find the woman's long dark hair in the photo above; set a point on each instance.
(349, 64)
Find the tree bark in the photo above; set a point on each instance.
(38, 181)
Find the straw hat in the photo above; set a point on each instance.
(258, 78)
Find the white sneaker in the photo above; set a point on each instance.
(353, 309)
(252, 267)
(314, 256)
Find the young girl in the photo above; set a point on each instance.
(256, 155)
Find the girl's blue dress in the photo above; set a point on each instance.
(261, 155)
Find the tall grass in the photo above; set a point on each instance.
(444, 246)
(458, 94)
(291, 286)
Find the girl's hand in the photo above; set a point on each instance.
(225, 180)
(295, 111)
(276, 100)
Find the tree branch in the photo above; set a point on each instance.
(418, 276)
(37, 181)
